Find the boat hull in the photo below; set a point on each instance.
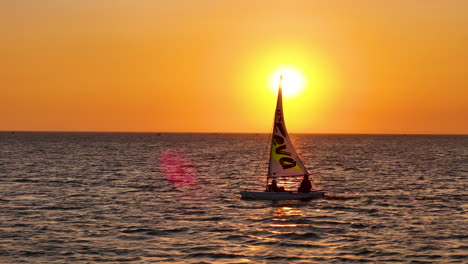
(276, 196)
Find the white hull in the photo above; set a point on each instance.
(276, 196)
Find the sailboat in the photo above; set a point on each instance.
(284, 162)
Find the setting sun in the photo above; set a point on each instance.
(293, 81)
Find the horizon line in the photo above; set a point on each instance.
(218, 132)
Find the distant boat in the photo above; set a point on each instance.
(284, 162)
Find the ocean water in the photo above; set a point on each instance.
(174, 198)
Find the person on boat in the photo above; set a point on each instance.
(273, 187)
(305, 185)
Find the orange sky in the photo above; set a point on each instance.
(204, 66)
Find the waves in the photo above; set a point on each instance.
(107, 198)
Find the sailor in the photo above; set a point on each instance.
(305, 185)
(273, 186)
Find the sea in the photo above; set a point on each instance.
(174, 198)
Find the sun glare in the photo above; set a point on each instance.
(293, 81)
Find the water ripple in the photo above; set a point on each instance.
(108, 198)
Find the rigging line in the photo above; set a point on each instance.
(268, 145)
(264, 154)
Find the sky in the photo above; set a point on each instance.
(207, 65)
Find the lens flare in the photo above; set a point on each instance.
(176, 168)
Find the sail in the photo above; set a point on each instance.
(284, 160)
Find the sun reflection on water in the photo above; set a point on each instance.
(285, 211)
(286, 216)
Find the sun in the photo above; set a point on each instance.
(293, 81)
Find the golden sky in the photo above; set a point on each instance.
(205, 66)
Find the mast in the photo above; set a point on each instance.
(279, 107)
(278, 111)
